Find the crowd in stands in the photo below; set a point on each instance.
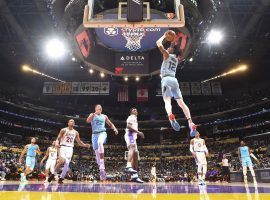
(172, 162)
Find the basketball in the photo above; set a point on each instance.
(170, 35)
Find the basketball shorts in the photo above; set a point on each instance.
(50, 164)
(30, 162)
(130, 139)
(98, 138)
(247, 162)
(170, 87)
(66, 153)
(201, 158)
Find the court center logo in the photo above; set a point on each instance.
(111, 31)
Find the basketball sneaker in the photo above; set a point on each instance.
(193, 130)
(135, 178)
(51, 178)
(60, 180)
(174, 123)
(130, 170)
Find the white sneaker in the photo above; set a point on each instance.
(3, 179)
(130, 170)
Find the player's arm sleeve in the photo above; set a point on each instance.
(191, 146)
(205, 148)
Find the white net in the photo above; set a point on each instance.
(133, 37)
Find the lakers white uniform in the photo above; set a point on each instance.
(130, 136)
(50, 164)
(67, 144)
(199, 149)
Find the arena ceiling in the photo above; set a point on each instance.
(25, 25)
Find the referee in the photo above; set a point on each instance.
(225, 169)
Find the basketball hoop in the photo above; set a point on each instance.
(133, 37)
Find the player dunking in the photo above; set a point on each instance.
(99, 136)
(199, 152)
(65, 141)
(30, 150)
(170, 85)
(130, 138)
(51, 154)
(244, 157)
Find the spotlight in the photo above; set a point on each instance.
(102, 74)
(214, 37)
(55, 48)
(26, 68)
(91, 71)
(126, 78)
(137, 78)
(191, 59)
(73, 59)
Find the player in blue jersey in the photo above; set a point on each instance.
(31, 150)
(244, 155)
(99, 136)
(169, 84)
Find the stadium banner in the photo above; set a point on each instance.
(206, 88)
(195, 88)
(216, 88)
(185, 88)
(131, 63)
(142, 93)
(76, 88)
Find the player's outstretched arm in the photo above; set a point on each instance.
(38, 150)
(45, 157)
(205, 148)
(191, 148)
(129, 126)
(23, 152)
(108, 121)
(253, 156)
(239, 154)
(78, 139)
(59, 137)
(161, 48)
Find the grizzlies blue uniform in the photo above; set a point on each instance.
(31, 156)
(169, 84)
(98, 129)
(245, 157)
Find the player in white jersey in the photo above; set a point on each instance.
(169, 84)
(65, 141)
(199, 152)
(51, 154)
(130, 138)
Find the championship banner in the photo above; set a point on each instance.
(185, 88)
(142, 93)
(216, 88)
(76, 88)
(195, 88)
(206, 88)
(47, 88)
